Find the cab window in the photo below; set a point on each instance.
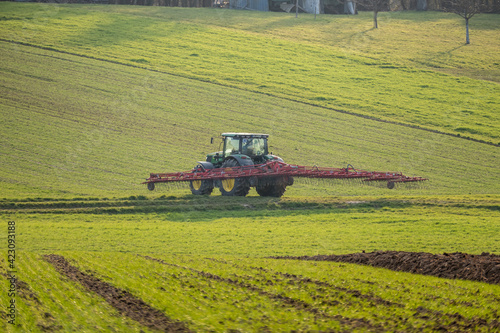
(253, 146)
(231, 146)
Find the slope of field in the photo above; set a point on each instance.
(94, 98)
(203, 294)
(74, 126)
(190, 262)
(334, 62)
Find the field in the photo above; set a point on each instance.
(94, 98)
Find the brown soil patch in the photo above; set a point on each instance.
(123, 301)
(484, 267)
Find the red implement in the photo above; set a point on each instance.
(280, 169)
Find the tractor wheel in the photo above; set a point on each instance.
(201, 187)
(272, 187)
(151, 186)
(233, 186)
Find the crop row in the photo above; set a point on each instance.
(164, 204)
(46, 301)
(224, 293)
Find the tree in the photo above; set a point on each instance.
(376, 6)
(421, 5)
(466, 9)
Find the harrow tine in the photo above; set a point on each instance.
(275, 171)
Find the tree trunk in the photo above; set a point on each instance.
(375, 24)
(349, 7)
(467, 40)
(421, 5)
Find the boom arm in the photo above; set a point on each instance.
(281, 169)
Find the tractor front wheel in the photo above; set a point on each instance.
(233, 186)
(201, 187)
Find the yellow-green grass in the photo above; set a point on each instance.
(44, 301)
(73, 126)
(88, 108)
(394, 73)
(211, 277)
(220, 294)
(261, 227)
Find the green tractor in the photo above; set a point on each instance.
(241, 149)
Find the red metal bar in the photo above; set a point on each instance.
(275, 168)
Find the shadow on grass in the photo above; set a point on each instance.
(196, 208)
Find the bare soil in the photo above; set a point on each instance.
(484, 267)
(123, 301)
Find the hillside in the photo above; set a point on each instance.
(78, 126)
(94, 98)
(395, 73)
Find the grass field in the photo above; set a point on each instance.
(110, 127)
(331, 62)
(94, 98)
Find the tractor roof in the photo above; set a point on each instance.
(245, 135)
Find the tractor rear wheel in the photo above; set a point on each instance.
(233, 186)
(271, 187)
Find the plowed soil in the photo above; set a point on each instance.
(484, 267)
(123, 301)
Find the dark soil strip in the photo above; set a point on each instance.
(123, 301)
(484, 267)
(455, 322)
(288, 301)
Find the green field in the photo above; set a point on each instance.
(94, 98)
(337, 62)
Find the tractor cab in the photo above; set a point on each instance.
(243, 147)
(251, 145)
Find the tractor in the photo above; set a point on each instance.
(240, 150)
(245, 162)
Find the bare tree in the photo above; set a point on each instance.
(467, 9)
(376, 6)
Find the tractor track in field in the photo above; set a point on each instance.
(287, 301)
(483, 268)
(434, 320)
(126, 303)
(301, 280)
(287, 98)
(458, 323)
(441, 321)
(46, 321)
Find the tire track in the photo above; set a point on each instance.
(300, 279)
(123, 301)
(441, 321)
(455, 265)
(298, 304)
